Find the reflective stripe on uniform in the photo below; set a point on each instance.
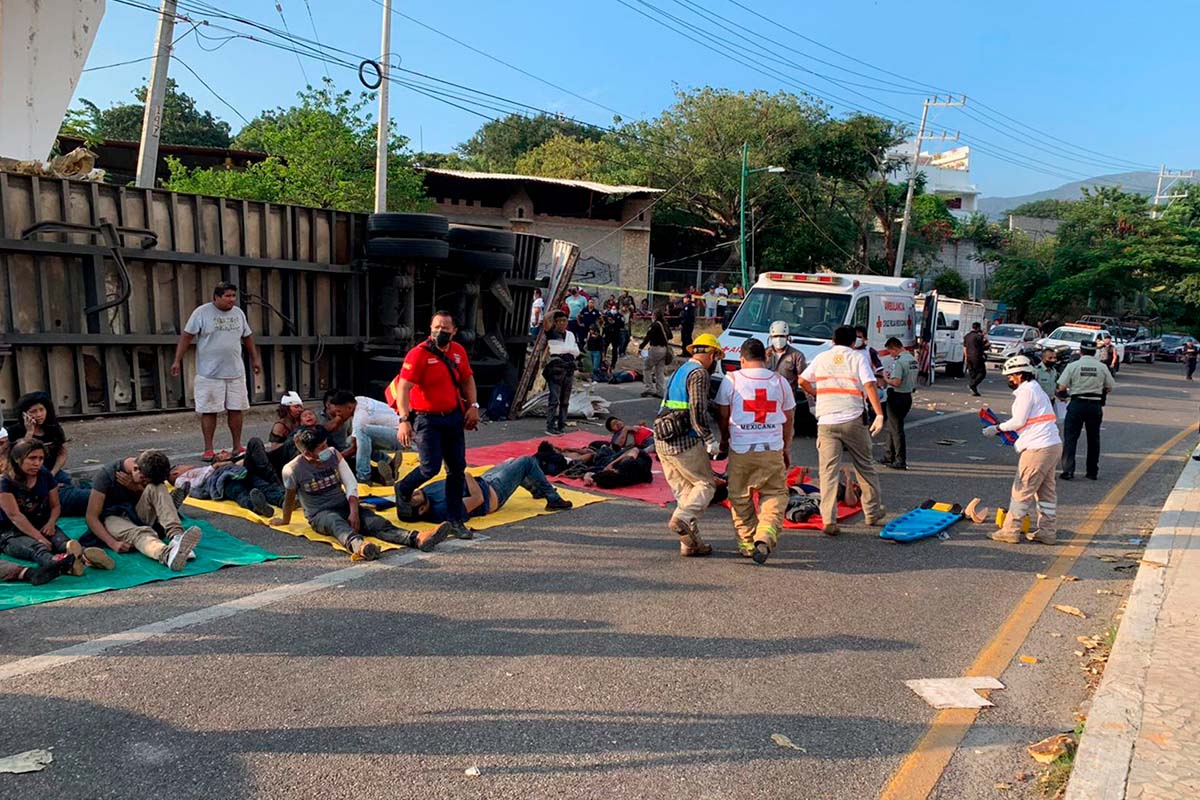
(1037, 420)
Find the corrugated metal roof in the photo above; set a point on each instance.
(601, 188)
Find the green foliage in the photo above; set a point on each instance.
(1110, 256)
(579, 159)
(322, 154)
(183, 123)
(499, 144)
(949, 283)
(1043, 209)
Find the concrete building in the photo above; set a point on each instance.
(611, 224)
(1035, 228)
(947, 175)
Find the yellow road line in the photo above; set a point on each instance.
(923, 767)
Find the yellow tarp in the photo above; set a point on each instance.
(520, 506)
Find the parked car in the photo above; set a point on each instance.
(1173, 344)
(1066, 338)
(1012, 340)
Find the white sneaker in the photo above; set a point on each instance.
(179, 548)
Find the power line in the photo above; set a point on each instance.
(316, 35)
(212, 90)
(178, 39)
(279, 8)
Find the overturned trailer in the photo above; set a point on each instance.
(97, 281)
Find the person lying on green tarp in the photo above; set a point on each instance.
(38, 576)
(489, 492)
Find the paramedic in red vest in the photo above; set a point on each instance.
(1036, 425)
(435, 398)
(841, 378)
(755, 409)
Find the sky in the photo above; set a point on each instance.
(1056, 91)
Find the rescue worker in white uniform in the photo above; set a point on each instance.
(755, 409)
(840, 379)
(1036, 425)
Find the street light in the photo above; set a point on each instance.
(746, 172)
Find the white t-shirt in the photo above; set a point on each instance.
(757, 399)
(219, 337)
(721, 292)
(567, 346)
(865, 375)
(535, 313)
(369, 411)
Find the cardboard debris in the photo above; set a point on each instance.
(1070, 578)
(1029, 660)
(783, 741)
(1088, 642)
(954, 692)
(1049, 749)
(1041, 576)
(29, 761)
(472, 771)
(1072, 610)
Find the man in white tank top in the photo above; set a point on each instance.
(755, 409)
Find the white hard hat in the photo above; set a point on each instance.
(1017, 364)
(3, 433)
(779, 328)
(291, 399)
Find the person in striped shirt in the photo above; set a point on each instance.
(1035, 423)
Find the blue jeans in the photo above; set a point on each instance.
(73, 499)
(439, 438)
(597, 362)
(370, 438)
(522, 471)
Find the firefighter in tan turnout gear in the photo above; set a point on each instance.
(755, 408)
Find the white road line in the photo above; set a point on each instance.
(142, 633)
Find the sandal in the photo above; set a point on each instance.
(208, 456)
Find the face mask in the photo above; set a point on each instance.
(442, 338)
(859, 344)
(779, 342)
(328, 454)
(1013, 384)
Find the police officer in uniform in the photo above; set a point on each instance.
(1087, 383)
(1046, 375)
(790, 363)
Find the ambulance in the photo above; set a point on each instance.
(813, 304)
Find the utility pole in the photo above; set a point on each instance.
(381, 134)
(742, 221)
(156, 92)
(933, 102)
(1172, 176)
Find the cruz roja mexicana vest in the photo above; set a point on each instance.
(756, 411)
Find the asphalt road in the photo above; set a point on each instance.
(576, 655)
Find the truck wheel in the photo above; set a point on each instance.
(392, 249)
(409, 226)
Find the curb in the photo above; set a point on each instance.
(1105, 756)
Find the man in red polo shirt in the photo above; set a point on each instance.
(434, 394)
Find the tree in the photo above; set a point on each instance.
(694, 149)
(561, 156)
(1043, 209)
(321, 153)
(182, 123)
(499, 144)
(949, 283)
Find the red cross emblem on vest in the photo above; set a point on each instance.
(760, 406)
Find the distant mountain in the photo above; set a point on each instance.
(1138, 182)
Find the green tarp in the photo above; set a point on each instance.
(216, 549)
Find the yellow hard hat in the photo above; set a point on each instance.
(705, 340)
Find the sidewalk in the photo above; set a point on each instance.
(1142, 736)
